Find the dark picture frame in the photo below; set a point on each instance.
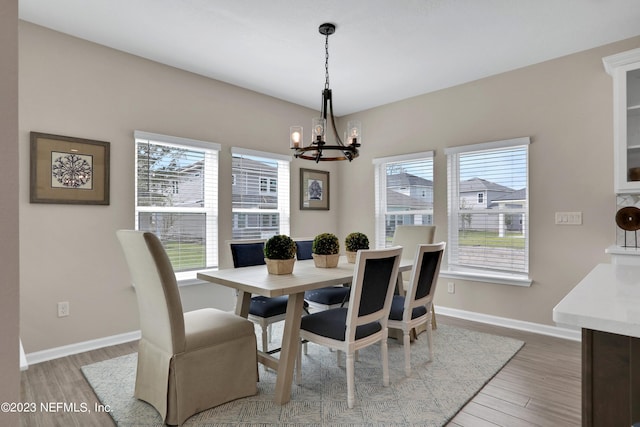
(314, 190)
(69, 170)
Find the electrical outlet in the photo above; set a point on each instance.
(63, 308)
(451, 288)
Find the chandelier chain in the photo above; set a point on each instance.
(326, 62)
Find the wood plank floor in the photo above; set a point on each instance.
(540, 386)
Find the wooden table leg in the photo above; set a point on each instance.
(289, 352)
(243, 302)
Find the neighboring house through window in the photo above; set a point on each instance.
(260, 194)
(404, 193)
(488, 236)
(176, 197)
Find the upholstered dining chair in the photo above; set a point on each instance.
(409, 237)
(263, 311)
(323, 298)
(415, 307)
(364, 321)
(187, 362)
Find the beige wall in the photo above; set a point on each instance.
(9, 249)
(565, 106)
(69, 253)
(76, 88)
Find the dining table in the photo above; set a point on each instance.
(306, 276)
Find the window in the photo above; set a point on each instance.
(404, 193)
(268, 185)
(177, 198)
(260, 194)
(488, 211)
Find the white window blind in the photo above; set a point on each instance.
(260, 192)
(488, 206)
(404, 193)
(177, 198)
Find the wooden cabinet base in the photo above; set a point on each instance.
(610, 379)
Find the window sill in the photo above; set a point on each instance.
(189, 278)
(488, 278)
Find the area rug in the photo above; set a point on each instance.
(464, 361)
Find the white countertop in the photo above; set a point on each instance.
(607, 299)
(621, 250)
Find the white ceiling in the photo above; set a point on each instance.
(382, 51)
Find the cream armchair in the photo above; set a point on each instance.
(186, 362)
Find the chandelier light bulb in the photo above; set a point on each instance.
(295, 137)
(354, 136)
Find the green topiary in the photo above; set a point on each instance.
(355, 241)
(280, 246)
(325, 244)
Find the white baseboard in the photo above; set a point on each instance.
(81, 347)
(554, 331)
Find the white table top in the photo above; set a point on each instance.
(607, 299)
(257, 280)
(305, 276)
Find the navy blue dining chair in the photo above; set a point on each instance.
(415, 307)
(364, 321)
(323, 298)
(263, 311)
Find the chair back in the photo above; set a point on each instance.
(303, 249)
(424, 276)
(409, 236)
(247, 253)
(159, 304)
(374, 280)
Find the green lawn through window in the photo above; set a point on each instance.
(185, 256)
(512, 239)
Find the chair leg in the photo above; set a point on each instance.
(299, 364)
(350, 380)
(270, 331)
(265, 339)
(385, 361)
(434, 324)
(430, 339)
(406, 342)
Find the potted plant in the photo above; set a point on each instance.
(280, 254)
(353, 243)
(325, 250)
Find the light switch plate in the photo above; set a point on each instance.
(568, 218)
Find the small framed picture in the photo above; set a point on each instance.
(69, 170)
(314, 190)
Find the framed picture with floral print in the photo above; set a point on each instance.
(69, 170)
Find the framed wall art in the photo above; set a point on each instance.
(314, 190)
(69, 170)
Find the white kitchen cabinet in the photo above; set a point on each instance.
(625, 69)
